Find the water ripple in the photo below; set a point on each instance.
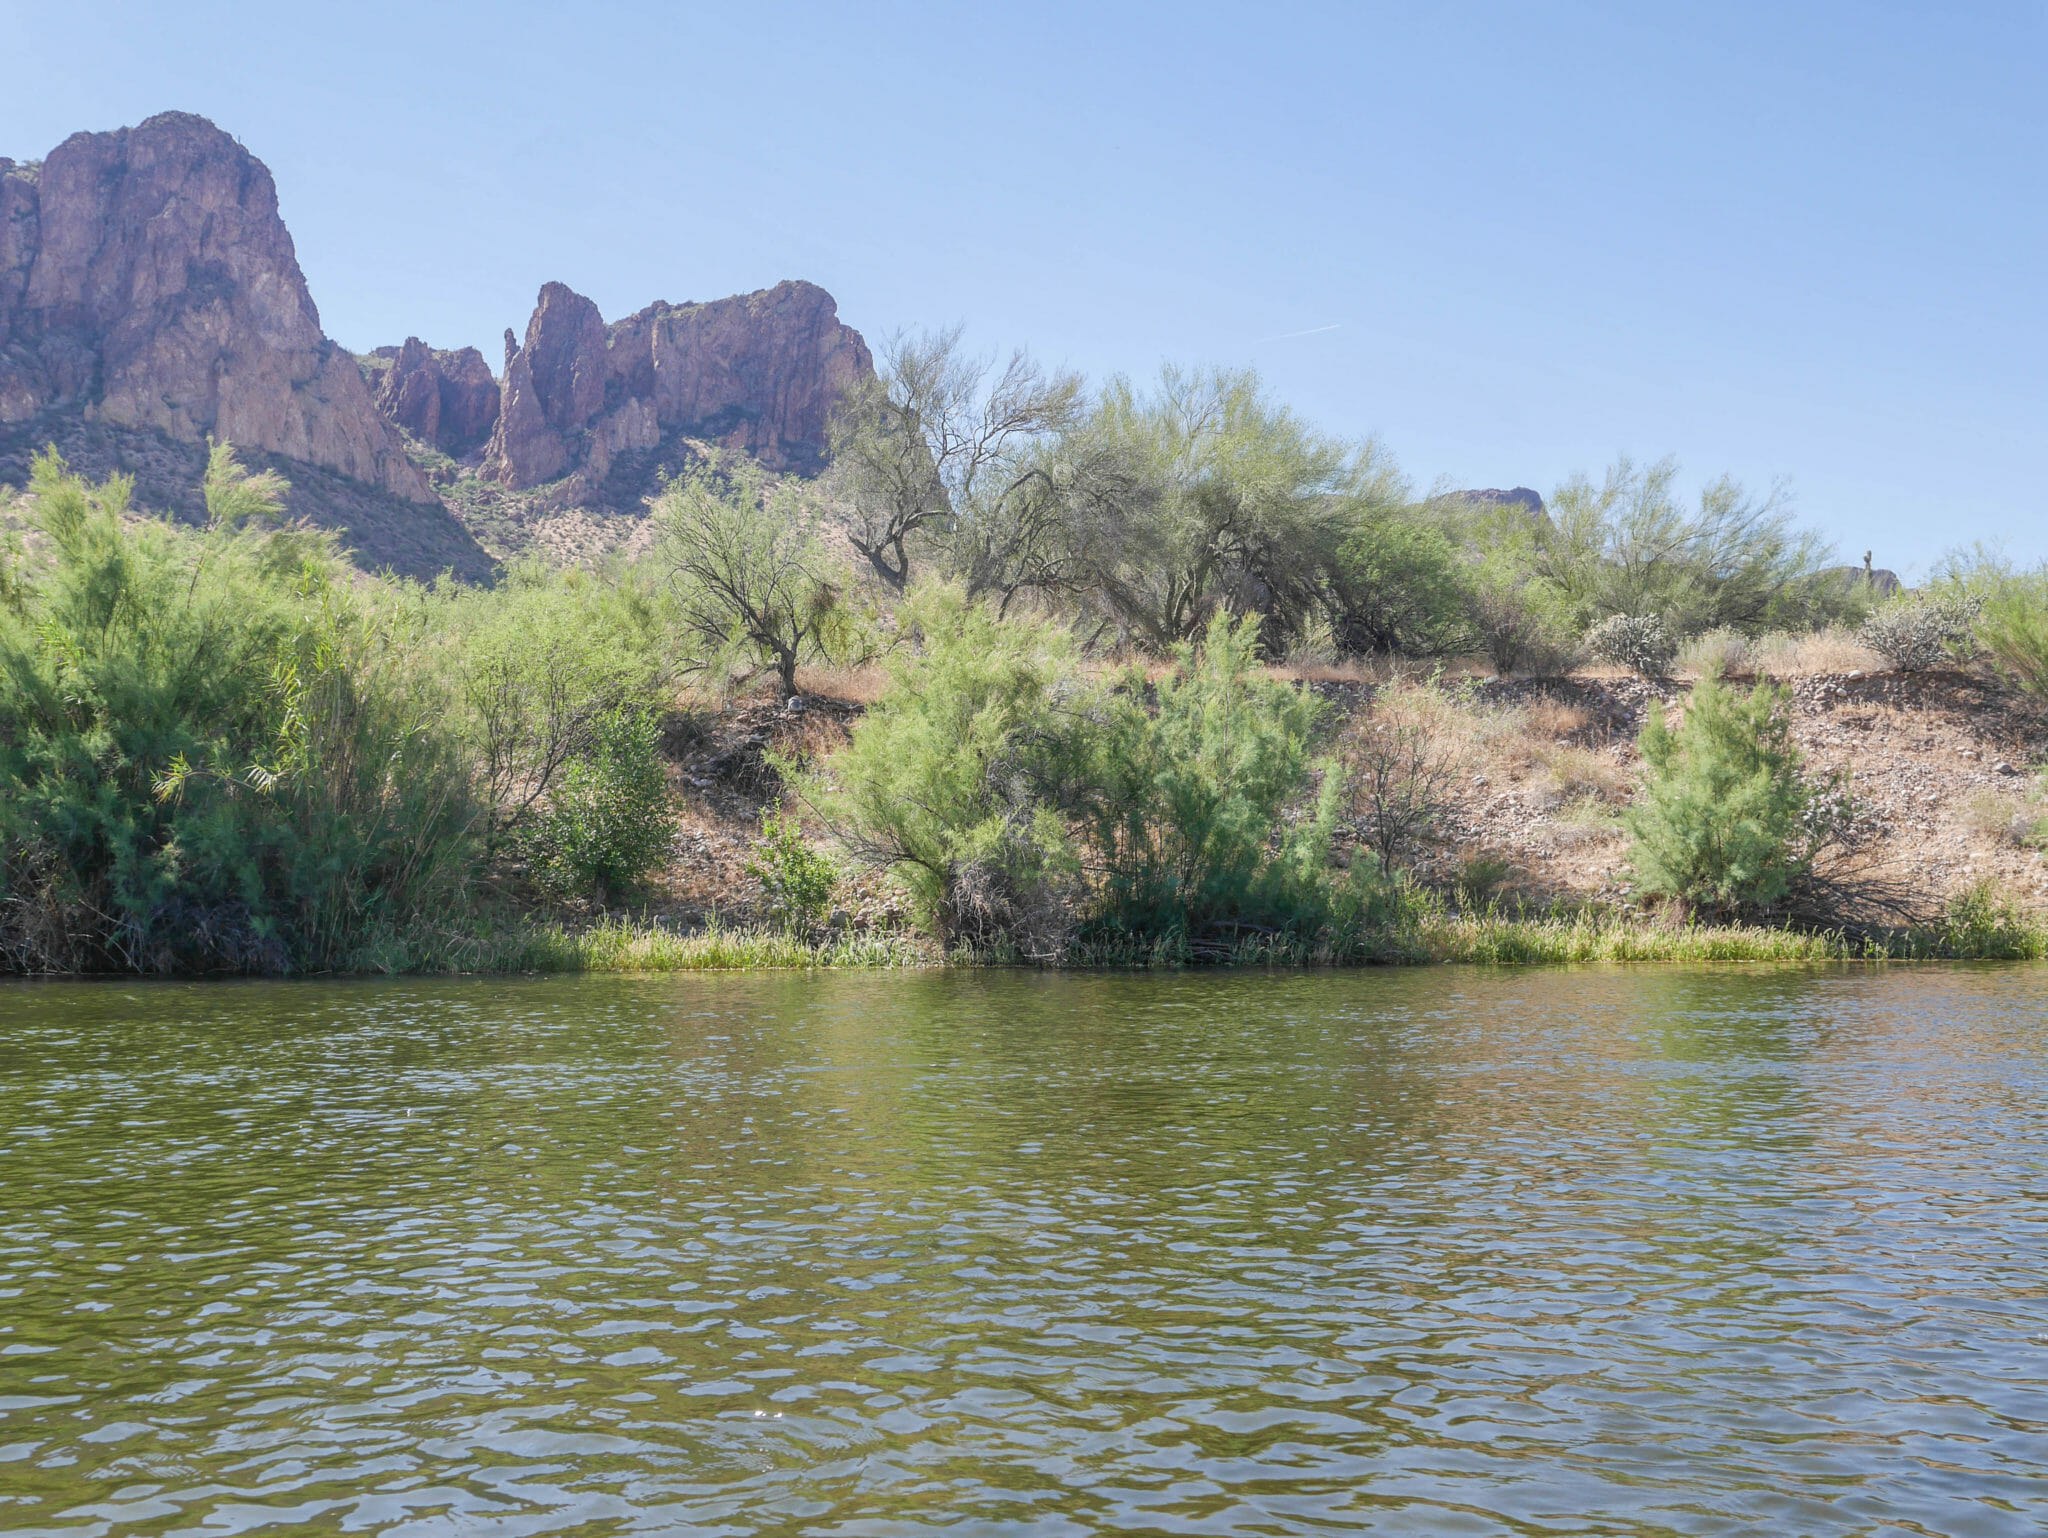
(1632, 1252)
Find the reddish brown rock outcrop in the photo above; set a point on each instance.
(447, 399)
(761, 372)
(147, 280)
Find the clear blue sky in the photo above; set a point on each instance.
(1782, 239)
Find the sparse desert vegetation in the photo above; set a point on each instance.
(1034, 674)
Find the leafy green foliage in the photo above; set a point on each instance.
(1183, 815)
(534, 666)
(214, 752)
(1398, 587)
(797, 881)
(1028, 809)
(952, 778)
(748, 575)
(1230, 502)
(1722, 821)
(1628, 546)
(607, 821)
(234, 497)
(2013, 628)
(1981, 923)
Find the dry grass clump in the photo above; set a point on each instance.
(1779, 655)
(1582, 774)
(1717, 654)
(861, 685)
(2003, 819)
(1730, 654)
(1584, 821)
(1556, 719)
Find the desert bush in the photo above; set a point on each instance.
(535, 664)
(1628, 546)
(748, 574)
(1722, 818)
(1480, 881)
(1396, 586)
(216, 753)
(1183, 816)
(1228, 502)
(1983, 923)
(796, 880)
(2013, 629)
(1638, 642)
(952, 778)
(1783, 654)
(1517, 632)
(940, 449)
(1580, 772)
(607, 821)
(1719, 653)
(1919, 631)
(1400, 772)
(2004, 819)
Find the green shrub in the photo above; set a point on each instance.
(1183, 814)
(535, 664)
(607, 822)
(2013, 629)
(1629, 546)
(1721, 822)
(1396, 587)
(748, 575)
(796, 881)
(216, 751)
(952, 780)
(1982, 923)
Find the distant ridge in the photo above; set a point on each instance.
(150, 297)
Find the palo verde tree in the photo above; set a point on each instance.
(939, 438)
(1630, 546)
(749, 577)
(1235, 506)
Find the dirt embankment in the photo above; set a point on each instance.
(1939, 765)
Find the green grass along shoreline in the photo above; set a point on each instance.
(1977, 927)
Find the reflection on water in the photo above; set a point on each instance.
(1656, 1251)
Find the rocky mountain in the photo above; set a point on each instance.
(447, 400)
(758, 372)
(150, 297)
(1524, 497)
(147, 280)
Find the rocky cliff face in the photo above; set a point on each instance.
(446, 399)
(760, 372)
(147, 282)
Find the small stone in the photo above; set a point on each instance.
(2005, 769)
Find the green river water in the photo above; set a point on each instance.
(1433, 1251)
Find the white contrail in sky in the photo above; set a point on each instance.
(1290, 335)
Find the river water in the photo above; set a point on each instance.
(1438, 1251)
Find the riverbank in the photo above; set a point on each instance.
(1977, 927)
